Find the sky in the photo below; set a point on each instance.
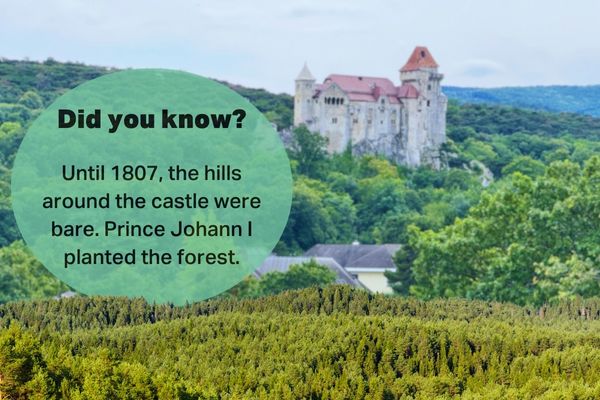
(264, 43)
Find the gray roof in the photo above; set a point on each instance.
(283, 264)
(361, 256)
(305, 74)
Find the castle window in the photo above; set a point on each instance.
(369, 121)
(423, 54)
(355, 121)
(429, 87)
(382, 101)
(381, 122)
(342, 101)
(428, 103)
(334, 120)
(393, 121)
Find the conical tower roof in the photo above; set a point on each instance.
(305, 74)
(420, 58)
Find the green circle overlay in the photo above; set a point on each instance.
(254, 148)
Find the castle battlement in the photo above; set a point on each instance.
(405, 123)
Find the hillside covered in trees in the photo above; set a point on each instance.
(439, 216)
(573, 99)
(324, 344)
(530, 237)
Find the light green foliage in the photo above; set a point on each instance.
(31, 100)
(567, 279)
(530, 241)
(326, 343)
(525, 165)
(23, 277)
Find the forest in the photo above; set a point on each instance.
(496, 287)
(329, 343)
(574, 99)
(535, 207)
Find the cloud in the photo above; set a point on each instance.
(264, 42)
(478, 68)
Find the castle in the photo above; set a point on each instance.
(406, 123)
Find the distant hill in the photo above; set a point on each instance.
(572, 99)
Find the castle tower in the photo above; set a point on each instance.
(303, 101)
(426, 115)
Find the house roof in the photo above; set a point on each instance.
(420, 58)
(282, 264)
(358, 256)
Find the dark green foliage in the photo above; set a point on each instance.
(498, 136)
(44, 80)
(402, 278)
(99, 313)
(309, 274)
(308, 149)
(505, 120)
(278, 108)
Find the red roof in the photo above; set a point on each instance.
(370, 89)
(420, 58)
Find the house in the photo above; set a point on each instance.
(365, 262)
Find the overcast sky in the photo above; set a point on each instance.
(263, 43)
